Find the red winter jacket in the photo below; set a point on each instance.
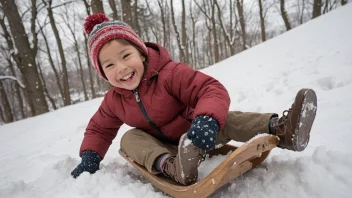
(173, 94)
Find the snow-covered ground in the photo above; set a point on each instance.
(38, 154)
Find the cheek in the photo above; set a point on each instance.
(110, 75)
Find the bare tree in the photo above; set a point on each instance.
(51, 62)
(66, 17)
(26, 55)
(161, 4)
(2, 115)
(184, 33)
(112, 4)
(8, 116)
(178, 36)
(97, 6)
(92, 89)
(91, 79)
(316, 8)
(300, 11)
(47, 94)
(284, 15)
(329, 5)
(153, 26)
(262, 20)
(86, 5)
(136, 27)
(66, 86)
(194, 48)
(208, 9)
(228, 36)
(127, 12)
(242, 23)
(8, 39)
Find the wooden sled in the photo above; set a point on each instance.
(241, 160)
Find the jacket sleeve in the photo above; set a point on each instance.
(101, 130)
(202, 92)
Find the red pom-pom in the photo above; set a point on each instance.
(93, 20)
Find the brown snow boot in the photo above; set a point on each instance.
(294, 126)
(184, 166)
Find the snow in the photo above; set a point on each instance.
(37, 154)
(186, 143)
(12, 78)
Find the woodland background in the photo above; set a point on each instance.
(44, 63)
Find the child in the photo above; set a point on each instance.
(170, 104)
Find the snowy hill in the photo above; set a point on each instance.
(38, 154)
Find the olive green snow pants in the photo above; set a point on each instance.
(240, 126)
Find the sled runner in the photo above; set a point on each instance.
(241, 160)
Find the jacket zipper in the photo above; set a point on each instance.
(144, 112)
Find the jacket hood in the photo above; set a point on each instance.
(158, 57)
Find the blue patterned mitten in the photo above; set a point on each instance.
(90, 163)
(203, 132)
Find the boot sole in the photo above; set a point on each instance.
(301, 136)
(184, 158)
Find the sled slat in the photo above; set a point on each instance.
(241, 160)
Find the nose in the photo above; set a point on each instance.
(121, 67)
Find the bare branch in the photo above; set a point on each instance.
(13, 78)
(200, 8)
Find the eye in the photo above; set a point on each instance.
(125, 56)
(108, 66)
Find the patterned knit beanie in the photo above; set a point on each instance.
(101, 30)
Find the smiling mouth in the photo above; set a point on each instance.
(128, 77)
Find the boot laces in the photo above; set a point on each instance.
(282, 121)
(169, 168)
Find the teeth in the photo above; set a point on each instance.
(127, 77)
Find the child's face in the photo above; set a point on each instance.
(122, 64)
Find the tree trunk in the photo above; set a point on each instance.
(51, 61)
(66, 87)
(226, 35)
(284, 15)
(242, 23)
(181, 48)
(210, 56)
(86, 5)
(52, 101)
(91, 80)
(136, 26)
(8, 116)
(343, 2)
(302, 12)
(194, 46)
(316, 8)
(26, 56)
(162, 13)
(168, 26)
(12, 68)
(2, 118)
(112, 4)
(214, 31)
(73, 30)
(262, 20)
(184, 33)
(97, 6)
(127, 12)
(232, 29)
(17, 90)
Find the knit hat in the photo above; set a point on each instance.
(101, 30)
